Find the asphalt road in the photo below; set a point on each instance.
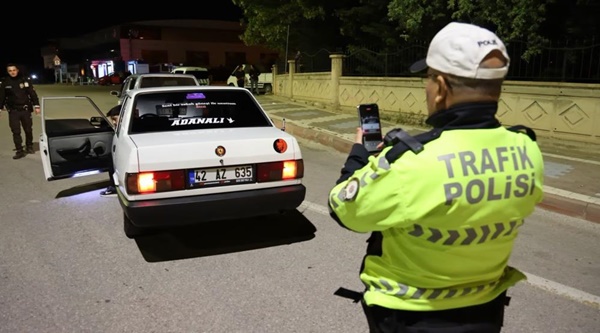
(66, 266)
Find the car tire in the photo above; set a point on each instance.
(131, 231)
(268, 89)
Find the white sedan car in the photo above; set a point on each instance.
(181, 155)
(149, 80)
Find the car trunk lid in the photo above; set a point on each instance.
(200, 148)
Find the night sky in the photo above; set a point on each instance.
(23, 35)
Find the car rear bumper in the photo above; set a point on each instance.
(212, 207)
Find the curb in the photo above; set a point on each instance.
(321, 136)
(563, 203)
(588, 211)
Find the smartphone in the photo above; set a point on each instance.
(368, 117)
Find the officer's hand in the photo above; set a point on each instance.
(37, 110)
(359, 136)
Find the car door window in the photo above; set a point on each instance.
(124, 87)
(124, 107)
(131, 83)
(201, 75)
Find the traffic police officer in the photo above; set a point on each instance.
(19, 97)
(444, 207)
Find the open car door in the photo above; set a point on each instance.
(76, 138)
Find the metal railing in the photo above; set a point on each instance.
(367, 62)
(559, 61)
(568, 61)
(316, 62)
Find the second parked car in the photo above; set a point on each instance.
(136, 81)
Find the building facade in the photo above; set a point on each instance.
(155, 46)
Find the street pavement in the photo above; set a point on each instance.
(572, 170)
(67, 267)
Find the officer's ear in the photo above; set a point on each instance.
(442, 89)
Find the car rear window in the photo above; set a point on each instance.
(200, 109)
(149, 82)
(198, 74)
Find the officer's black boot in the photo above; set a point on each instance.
(30, 150)
(19, 154)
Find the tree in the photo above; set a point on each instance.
(311, 24)
(375, 29)
(568, 19)
(511, 20)
(390, 24)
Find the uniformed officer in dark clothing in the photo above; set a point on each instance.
(20, 99)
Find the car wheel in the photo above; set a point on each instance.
(268, 89)
(131, 231)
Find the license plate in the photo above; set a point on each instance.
(221, 176)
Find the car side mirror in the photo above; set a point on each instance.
(115, 93)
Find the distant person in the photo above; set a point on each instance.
(298, 62)
(254, 74)
(20, 99)
(113, 115)
(240, 75)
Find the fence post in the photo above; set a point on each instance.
(336, 73)
(292, 70)
(275, 88)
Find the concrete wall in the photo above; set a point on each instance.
(561, 110)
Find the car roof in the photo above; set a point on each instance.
(134, 92)
(192, 68)
(161, 75)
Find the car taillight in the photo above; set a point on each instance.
(157, 181)
(283, 170)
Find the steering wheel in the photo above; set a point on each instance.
(149, 115)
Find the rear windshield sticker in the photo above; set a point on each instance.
(195, 96)
(168, 105)
(196, 121)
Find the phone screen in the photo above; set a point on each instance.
(368, 115)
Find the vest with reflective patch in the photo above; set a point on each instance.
(448, 217)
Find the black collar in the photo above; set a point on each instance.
(467, 115)
(16, 78)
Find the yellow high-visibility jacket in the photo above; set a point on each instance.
(446, 217)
